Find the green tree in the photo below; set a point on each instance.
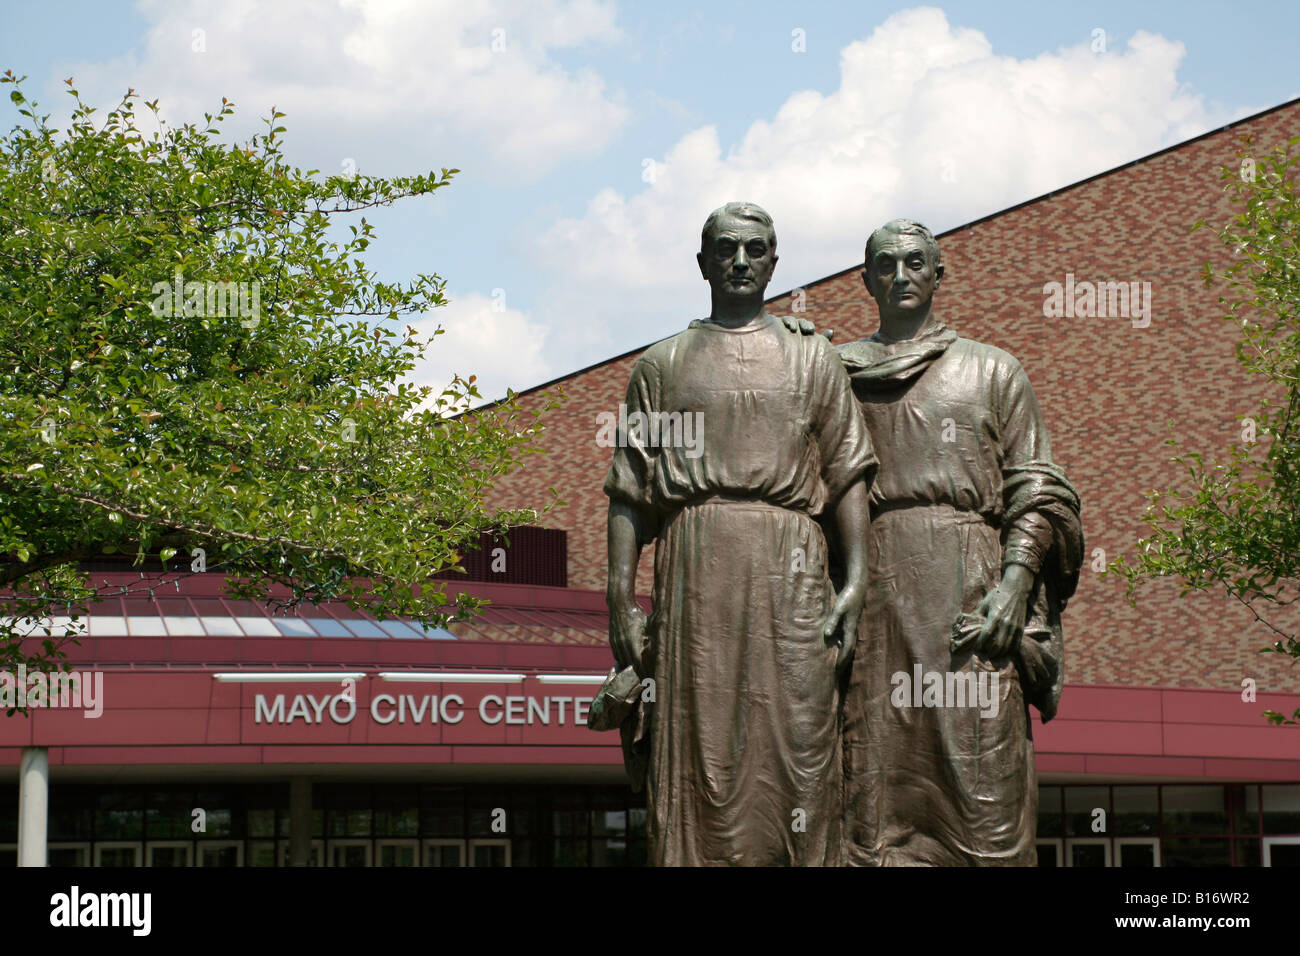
(191, 368)
(1235, 522)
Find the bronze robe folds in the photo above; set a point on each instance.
(745, 758)
(965, 482)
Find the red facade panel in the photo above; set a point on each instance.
(197, 719)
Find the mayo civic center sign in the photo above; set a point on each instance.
(448, 708)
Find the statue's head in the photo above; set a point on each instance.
(902, 267)
(738, 250)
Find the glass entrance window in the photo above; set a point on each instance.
(1164, 825)
(399, 853)
(1282, 851)
(1196, 851)
(1087, 811)
(169, 853)
(1049, 853)
(444, 852)
(261, 853)
(171, 814)
(352, 823)
(349, 852)
(69, 854)
(1282, 809)
(1137, 851)
(520, 824)
(119, 816)
(221, 853)
(117, 854)
(317, 853)
(1194, 809)
(489, 852)
(1137, 810)
(1087, 851)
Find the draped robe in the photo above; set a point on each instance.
(745, 764)
(966, 484)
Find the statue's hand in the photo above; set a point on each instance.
(1003, 610)
(805, 327)
(627, 634)
(841, 627)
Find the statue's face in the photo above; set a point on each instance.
(900, 275)
(739, 258)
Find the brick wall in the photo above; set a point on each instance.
(1108, 390)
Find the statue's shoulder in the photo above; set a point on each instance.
(859, 353)
(849, 348)
(988, 353)
(661, 353)
(812, 351)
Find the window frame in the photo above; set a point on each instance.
(1072, 842)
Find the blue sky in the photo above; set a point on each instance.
(596, 136)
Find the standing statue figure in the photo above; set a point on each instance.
(738, 436)
(975, 545)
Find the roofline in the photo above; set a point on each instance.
(947, 232)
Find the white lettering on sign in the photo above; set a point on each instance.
(418, 709)
(272, 714)
(344, 698)
(446, 717)
(299, 709)
(417, 713)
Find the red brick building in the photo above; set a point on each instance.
(1111, 393)
(1112, 390)
(215, 706)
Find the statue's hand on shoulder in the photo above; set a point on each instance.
(627, 633)
(805, 327)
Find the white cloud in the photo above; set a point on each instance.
(928, 122)
(392, 77)
(481, 336)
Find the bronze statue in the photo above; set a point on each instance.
(975, 546)
(745, 647)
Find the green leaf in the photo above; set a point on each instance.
(201, 431)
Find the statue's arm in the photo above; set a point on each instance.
(628, 532)
(852, 517)
(632, 522)
(849, 467)
(1005, 608)
(1029, 538)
